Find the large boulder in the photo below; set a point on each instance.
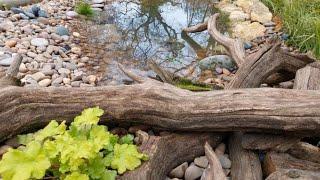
(257, 10)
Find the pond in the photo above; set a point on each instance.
(135, 32)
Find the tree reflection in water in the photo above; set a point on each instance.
(151, 29)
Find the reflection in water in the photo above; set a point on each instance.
(133, 32)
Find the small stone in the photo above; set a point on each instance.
(201, 161)
(57, 81)
(76, 34)
(62, 31)
(179, 171)
(11, 43)
(225, 162)
(193, 172)
(284, 37)
(72, 14)
(6, 61)
(30, 15)
(32, 54)
(35, 10)
(38, 76)
(39, 42)
(226, 71)
(45, 82)
(286, 85)
(218, 70)
(23, 68)
(43, 20)
(76, 50)
(75, 83)
(66, 81)
(64, 71)
(43, 13)
(247, 45)
(23, 16)
(92, 79)
(16, 10)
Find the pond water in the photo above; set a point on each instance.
(133, 32)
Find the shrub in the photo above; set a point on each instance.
(84, 8)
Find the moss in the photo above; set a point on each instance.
(189, 85)
(84, 8)
(301, 20)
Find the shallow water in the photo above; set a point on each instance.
(133, 32)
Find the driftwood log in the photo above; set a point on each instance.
(166, 152)
(296, 174)
(305, 151)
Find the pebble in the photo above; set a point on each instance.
(11, 43)
(38, 76)
(16, 10)
(43, 13)
(179, 171)
(72, 14)
(45, 82)
(92, 79)
(57, 81)
(62, 31)
(225, 161)
(23, 68)
(39, 42)
(75, 83)
(193, 172)
(64, 71)
(201, 161)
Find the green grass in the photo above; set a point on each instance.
(84, 8)
(301, 20)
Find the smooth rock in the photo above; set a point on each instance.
(64, 71)
(247, 45)
(201, 161)
(225, 161)
(193, 172)
(57, 81)
(209, 63)
(179, 171)
(92, 79)
(23, 68)
(16, 10)
(237, 16)
(260, 12)
(39, 42)
(45, 82)
(75, 83)
(43, 13)
(38, 76)
(6, 25)
(6, 61)
(11, 43)
(62, 31)
(30, 15)
(248, 31)
(35, 10)
(72, 14)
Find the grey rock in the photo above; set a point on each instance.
(75, 83)
(71, 66)
(179, 171)
(30, 15)
(39, 42)
(35, 10)
(64, 71)
(37, 76)
(193, 172)
(16, 10)
(201, 161)
(43, 13)
(23, 16)
(62, 31)
(6, 61)
(72, 14)
(57, 81)
(225, 161)
(45, 82)
(221, 60)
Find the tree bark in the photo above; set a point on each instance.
(305, 151)
(294, 174)
(245, 163)
(282, 161)
(267, 142)
(308, 77)
(167, 152)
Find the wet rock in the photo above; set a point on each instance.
(221, 60)
(62, 31)
(225, 161)
(193, 172)
(39, 42)
(201, 161)
(45, 82)
(179, 171)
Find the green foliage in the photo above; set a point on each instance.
(84, 8)
(301, 20)
(189, 85)
(84, 151)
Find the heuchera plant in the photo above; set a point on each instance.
(83, 151)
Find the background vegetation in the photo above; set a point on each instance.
(301, 20)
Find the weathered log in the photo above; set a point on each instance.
(278, 161)
(267, 142)
(294, 174)
(308, 78)
(255, 71)
(165, 106)
(305, 151)
(245, 164)
(167, 152)
(214, 171)
(17, 3)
